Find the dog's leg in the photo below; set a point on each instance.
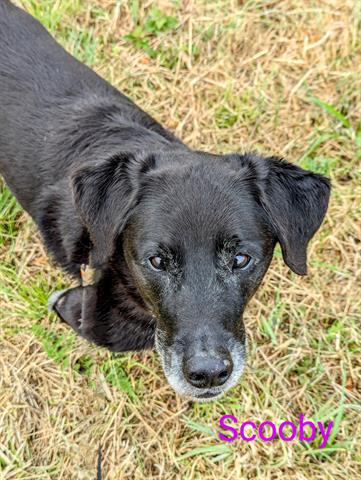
(91, 313)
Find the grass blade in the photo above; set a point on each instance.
(331, 110)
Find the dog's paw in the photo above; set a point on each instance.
(54, 298)
(67, 304)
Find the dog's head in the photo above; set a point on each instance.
(198, 233)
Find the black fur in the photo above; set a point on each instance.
(107, 185)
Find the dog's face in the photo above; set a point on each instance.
(198, 246)
(198, 233)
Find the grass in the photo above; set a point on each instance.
(280, 77)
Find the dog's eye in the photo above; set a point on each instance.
(157, 263)
(241, 261)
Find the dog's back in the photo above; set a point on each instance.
(54, 109)
(30, 59)
(36, 77)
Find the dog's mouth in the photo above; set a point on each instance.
(172, 367)
(208, 395)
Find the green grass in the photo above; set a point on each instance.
(10, 212)
(353, 132)
(146, 29)
(51, 13)
(57, 347)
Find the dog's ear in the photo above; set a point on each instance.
(105, 193)
(295, 201)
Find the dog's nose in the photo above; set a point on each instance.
(204, 372)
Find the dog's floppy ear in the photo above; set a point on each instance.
(295, 200)
(105, 194)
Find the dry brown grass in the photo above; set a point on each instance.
(247, 87)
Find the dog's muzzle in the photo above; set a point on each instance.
(204, 375)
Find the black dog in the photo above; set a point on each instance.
(179, 239)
